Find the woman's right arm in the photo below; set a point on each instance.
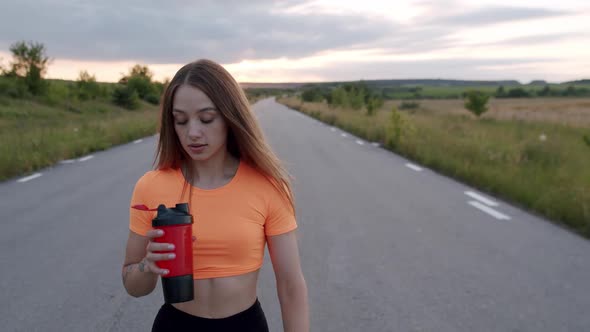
(140, 273)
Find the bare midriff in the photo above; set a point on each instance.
(221, 297)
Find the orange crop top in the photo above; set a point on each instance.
(230, 222)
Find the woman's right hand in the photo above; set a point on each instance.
(151, 257)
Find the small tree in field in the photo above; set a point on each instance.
(87, 86)
(30, 62)
(476, 102)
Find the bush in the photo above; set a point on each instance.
(587, 140)
(400, 128)
(57, 93)
(477, 102)
(152, 99)
(142, 85)
(373, 103)
(87, 86)
(409, 105)
(126, 97)
(312, 95)
(339, 97)
(30, 63)
(14, 87)
(518, 93)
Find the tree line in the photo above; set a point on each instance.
(349, 95)
(24, 77)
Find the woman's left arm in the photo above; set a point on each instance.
(291, 286)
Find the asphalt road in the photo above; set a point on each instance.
(385, 245)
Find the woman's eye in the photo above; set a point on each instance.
(202, 120)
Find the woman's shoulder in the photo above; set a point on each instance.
(257, 180)
(254, 176)
(157, 178)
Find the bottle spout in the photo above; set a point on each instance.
(142, 207)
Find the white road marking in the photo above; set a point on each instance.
(481, 198)
(68, 161)
(29, 178)
(359, 142)
(414, 167)
(137, 141)
(86, 158)
(333, 129)
(489, 210)
(343, 135)
(375, 144)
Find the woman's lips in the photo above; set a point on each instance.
(197, 148)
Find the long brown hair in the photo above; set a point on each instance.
(245, 139)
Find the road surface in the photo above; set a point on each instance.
(386, 245)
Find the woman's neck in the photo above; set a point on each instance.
(214, 172)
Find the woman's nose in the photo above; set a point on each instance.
(195, 130)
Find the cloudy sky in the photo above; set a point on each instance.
(307, 41)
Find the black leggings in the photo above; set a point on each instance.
(171, 319)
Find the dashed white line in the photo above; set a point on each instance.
(359, 142)
(414, 167)
(29, 178)
(343, 135)
(481, 198)
(333, 129)
(86, 158)
(489, 210)
(137, 141)
(68, 161)
(375, 144)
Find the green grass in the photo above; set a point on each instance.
(506, 158)
(39, 131)
(34, 134)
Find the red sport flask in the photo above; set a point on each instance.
(177, 226)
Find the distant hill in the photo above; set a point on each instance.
(246, 85)
(538, 82)
(386, 83)
(585, 81)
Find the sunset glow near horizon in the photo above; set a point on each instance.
(345, 41)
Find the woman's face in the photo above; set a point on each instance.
(198, 123)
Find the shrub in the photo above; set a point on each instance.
(87, 86)
(30, 62)
(312, 95)
(518, 93)
(126, 97)
(142, 85)
(152, 99)
(400, 128)
(13, 87)
(409, 105)
(476, 102)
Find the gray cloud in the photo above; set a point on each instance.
(181, 31)
(496, 14)
(228, 31)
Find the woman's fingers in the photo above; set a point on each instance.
(160, 257)
(154, 233)
(155, 269)
(152, 257)
(155, 246)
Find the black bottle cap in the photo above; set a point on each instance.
(172, 216)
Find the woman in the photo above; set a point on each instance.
(240, 198)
